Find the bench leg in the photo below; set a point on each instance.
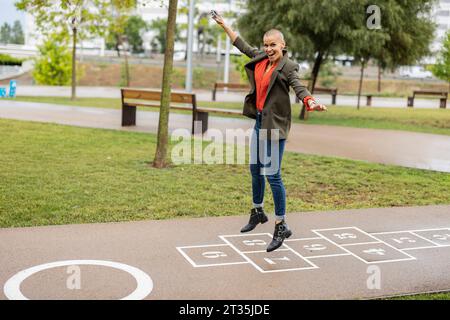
(214, 95)
(128, 116)
(443, 103)
(203, 118)
(333, 99)
(410, 102)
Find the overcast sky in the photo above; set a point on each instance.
(9, 13)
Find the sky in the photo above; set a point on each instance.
(9, 13)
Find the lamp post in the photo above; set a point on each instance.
(189, 46)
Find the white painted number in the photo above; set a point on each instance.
(442, 237)
(270, 260)
(380, 252)
(404, 239)
(345, 236)
(254, 242)
(315, 247)
(214, 254)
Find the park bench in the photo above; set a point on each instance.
(132, 98)
(229, 86)
(442, 94)
(332, 91)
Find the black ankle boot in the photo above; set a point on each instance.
(257, 216)
(281, 232)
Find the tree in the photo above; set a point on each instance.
(133, 29)
(442, 67)
(163, 125)
(17, 33)
(77, 18)
(319, 29)
(160, 26)
(5, 33)
(53, 65)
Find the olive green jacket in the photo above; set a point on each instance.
(276, 113)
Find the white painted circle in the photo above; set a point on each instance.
(143, 289)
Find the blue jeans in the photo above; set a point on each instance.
(265, 161)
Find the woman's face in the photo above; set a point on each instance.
(273, 47)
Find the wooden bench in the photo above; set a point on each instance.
(229, 86)
(442, 94)
(132, 98)
(332, 91)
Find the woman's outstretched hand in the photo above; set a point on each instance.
(313, 106)
(217, 17)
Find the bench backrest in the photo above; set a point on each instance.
(155, 95)
(432, 93)
(326, 90)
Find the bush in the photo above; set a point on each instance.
(239, 63)
(54, 64)
(7, 60)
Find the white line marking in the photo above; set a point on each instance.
(259, 251)
(285, 270)
(244, 235)
(408, 231)
(330, 255)
(184, 254)
(219, 264)
(204, 246)
(301, 239)
(412, 258)
(240, 253)
(429, 247)
(418, 235)
(355, 244)
(144, 287)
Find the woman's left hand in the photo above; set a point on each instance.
(316, 106)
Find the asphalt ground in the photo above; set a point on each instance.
(349, 254)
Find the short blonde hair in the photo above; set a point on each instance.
(274, 32)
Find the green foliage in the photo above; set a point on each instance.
(442, 67)
(133, 29)
(5, 33)
(54, 64)
(328, 74)
(159, 25)
(239, 64)
(12, 34)
(314, 28)
(7, 60)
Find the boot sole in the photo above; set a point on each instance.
(288, 234)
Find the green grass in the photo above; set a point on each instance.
(435, 121)
(53, 174)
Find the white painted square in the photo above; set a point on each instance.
(250, 242)
(378, 253)
(345, 236)
(315, 247)
(278, 261)
(440, 237)
(404, 240)
(211, 255)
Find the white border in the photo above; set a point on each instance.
(195, 265)
(143, 289)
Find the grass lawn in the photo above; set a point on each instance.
(435, 121)
(54, 174)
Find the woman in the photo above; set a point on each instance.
(271, 73)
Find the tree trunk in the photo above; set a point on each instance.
(363, 63)
(379, 79)
(74, 65)
(314, 76)
(127, 69)
(163, 126)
